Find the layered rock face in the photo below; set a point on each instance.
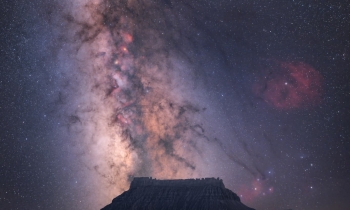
(190, 194)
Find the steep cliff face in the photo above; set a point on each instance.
(190, 194)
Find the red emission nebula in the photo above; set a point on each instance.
(290, 85)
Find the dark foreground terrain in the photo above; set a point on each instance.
(189, 194)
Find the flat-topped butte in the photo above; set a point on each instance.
(147, 193)
(149, 181)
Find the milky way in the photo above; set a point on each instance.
(137, 112)
(139, 100)
(140, 103)
(97, 92)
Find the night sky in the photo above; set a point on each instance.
(96, 92)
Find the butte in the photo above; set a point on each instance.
(185, 194)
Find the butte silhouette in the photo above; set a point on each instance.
(187, 194)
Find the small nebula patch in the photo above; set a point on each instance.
(290, 85)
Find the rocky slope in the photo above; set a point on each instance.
(190, 194)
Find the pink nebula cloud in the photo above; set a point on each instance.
(291, 85)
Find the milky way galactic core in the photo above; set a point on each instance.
(250, 92)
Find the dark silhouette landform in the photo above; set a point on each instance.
(187, 194)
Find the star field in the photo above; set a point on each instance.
(94, 93)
